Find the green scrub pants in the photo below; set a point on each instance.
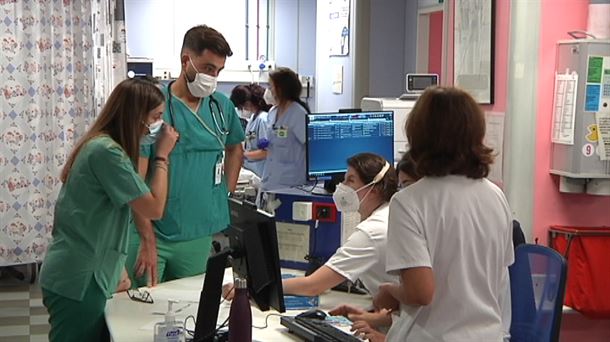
(76, 321)
(175, 259)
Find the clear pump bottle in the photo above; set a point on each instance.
(170, 330)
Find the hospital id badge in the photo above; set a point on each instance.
(282, 132)
(218, 173)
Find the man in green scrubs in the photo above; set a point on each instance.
(204, 167)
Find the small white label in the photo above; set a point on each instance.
(218, 173)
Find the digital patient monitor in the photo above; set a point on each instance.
(417, 83)
(334, 137)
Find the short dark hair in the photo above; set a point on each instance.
(445, 130)
(251, 92)
(203, 37)
(287, 85)
(407, 166)
(368, 165)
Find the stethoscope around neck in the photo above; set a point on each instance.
(220, 128)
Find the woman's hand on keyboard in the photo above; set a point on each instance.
(364, 331)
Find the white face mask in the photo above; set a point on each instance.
(269, 98)
(203, 85)
(346, 199)
(153, 133)
(244, 113)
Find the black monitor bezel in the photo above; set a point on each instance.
(268, 235)
(336, 175)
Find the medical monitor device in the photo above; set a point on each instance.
(139, 67)
(253, 251)
(417, 83)
(332, 138)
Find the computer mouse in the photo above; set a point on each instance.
(313, 313)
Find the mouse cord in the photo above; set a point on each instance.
(266, 321)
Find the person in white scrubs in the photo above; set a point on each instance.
(449, 234)
(370, 183)
(373, 324)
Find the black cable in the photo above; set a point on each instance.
(192, 332)
(266, 321)
(304, 188)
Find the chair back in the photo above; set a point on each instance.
(537, 287)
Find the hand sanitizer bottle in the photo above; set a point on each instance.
(240, 315)
(170, 330)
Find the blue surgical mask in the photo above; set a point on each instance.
(153, 133)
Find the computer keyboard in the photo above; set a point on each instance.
(316, 330)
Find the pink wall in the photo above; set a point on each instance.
(502, 35)
(550, 206)
(435, 40)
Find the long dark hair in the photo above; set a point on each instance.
(122, 118)
(287, 86)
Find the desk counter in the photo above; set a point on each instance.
(130, 321)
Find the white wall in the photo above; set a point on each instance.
(355, 65)
(155, 28)
(393, 37)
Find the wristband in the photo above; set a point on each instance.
(162, 159)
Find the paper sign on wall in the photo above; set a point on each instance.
(564, 108)
(494, 138)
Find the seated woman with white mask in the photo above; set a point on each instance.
(370, 182)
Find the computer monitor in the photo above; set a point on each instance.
(334, 137)
(417, 83)
(139, 67)
(254, 256)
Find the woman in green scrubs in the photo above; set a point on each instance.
(101, 186)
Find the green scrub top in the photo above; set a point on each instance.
(196, 206)
(91, 221)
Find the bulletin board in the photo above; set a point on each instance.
(473, 58)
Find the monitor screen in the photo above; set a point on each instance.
(253, 241)
(139, 69)
(255, 257)
(334, 137)
(417, 83)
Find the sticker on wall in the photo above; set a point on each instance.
(594, 69)
(592, 97)
(592, 133)
(588, 150)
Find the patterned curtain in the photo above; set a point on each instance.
(52, 53)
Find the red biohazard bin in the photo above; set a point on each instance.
(587, 250)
